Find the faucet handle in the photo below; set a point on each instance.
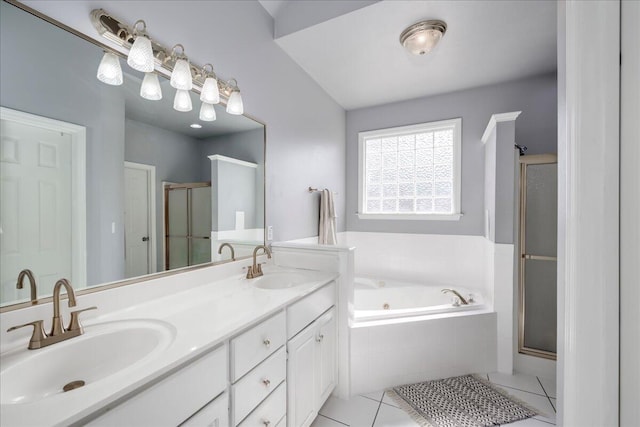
(74, 323)
(38, 333)
(250, 272)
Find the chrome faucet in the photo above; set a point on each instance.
(456, 293)
(255, 270)
(32, 283)
(58, 332)
(233, 253)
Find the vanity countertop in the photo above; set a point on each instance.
(202, 318)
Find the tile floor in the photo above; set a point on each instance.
(378, 410)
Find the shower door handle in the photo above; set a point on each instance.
(539, 257)
(145, 239)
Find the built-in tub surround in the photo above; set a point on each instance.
(218, 303)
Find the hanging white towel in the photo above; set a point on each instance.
(327, 227)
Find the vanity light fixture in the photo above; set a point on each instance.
(182, 101)
(109, 70)
(210, 91)
(141, 54)
(207, 112)
(234, 105)
(146, 54)
(423, 36)
(181, 74)
(150, 88)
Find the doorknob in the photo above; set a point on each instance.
(145, 239)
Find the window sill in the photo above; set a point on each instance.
(414, 217)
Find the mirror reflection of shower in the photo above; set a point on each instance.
(187, 224)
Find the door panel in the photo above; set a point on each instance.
(35, 182)
(136, 217)
(327, 356)
(301, 378)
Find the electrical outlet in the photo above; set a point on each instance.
(270, 232)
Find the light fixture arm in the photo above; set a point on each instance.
(123, 35)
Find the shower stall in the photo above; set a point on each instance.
(187, 224)
(537, 255)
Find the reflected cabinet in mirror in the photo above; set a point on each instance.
(99, 185)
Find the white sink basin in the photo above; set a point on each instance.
(281, 280)
(103, 350)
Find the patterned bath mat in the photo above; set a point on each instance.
(465, 401)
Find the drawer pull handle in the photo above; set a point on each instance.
(267, 343)
(266, 382)
(266, 423)
(320, 338)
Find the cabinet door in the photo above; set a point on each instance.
(301, 378)
(326, 356)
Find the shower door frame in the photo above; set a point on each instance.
(188, 187)
(532, 159)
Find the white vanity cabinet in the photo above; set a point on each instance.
(177, 397)
(258, 373)
(311, 368)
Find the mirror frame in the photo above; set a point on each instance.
(160, 274)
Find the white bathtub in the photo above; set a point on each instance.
(376, 299)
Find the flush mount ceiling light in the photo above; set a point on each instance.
(423, 36)
(146, 55)
(195, 126)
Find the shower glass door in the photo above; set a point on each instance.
(187, 224)
(538, 262)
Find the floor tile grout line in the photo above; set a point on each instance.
(370, 398)
(377, 411)
(519, 389)
(332, 419)
(547, 394)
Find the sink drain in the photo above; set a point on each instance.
(385, 307)
(73, 385)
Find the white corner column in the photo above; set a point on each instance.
(500, 204)
(588, 212)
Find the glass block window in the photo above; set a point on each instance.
(411, 171)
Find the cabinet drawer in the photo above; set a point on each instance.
(283, 422)
(254, 345)
(270, 411)
(258, 383)
(215, 414)
(180, 395)
(305, 311)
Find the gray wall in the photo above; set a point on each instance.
(73, 95)
(247, 146)
(535, 128)
(169, 152)
(305, 127)
(235, 185)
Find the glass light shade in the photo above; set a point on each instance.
(182, 101)
(181, 75)
(150, 88)
(141, 55)
(109, 70)
(210, 92)
(234, 105)
(207, 112)
(422, 41)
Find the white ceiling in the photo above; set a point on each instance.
(358, 60)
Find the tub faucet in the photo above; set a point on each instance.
(456, 293)
(255, 270)
(32, 283)
(233, 255)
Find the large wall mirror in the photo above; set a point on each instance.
(101, 186)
